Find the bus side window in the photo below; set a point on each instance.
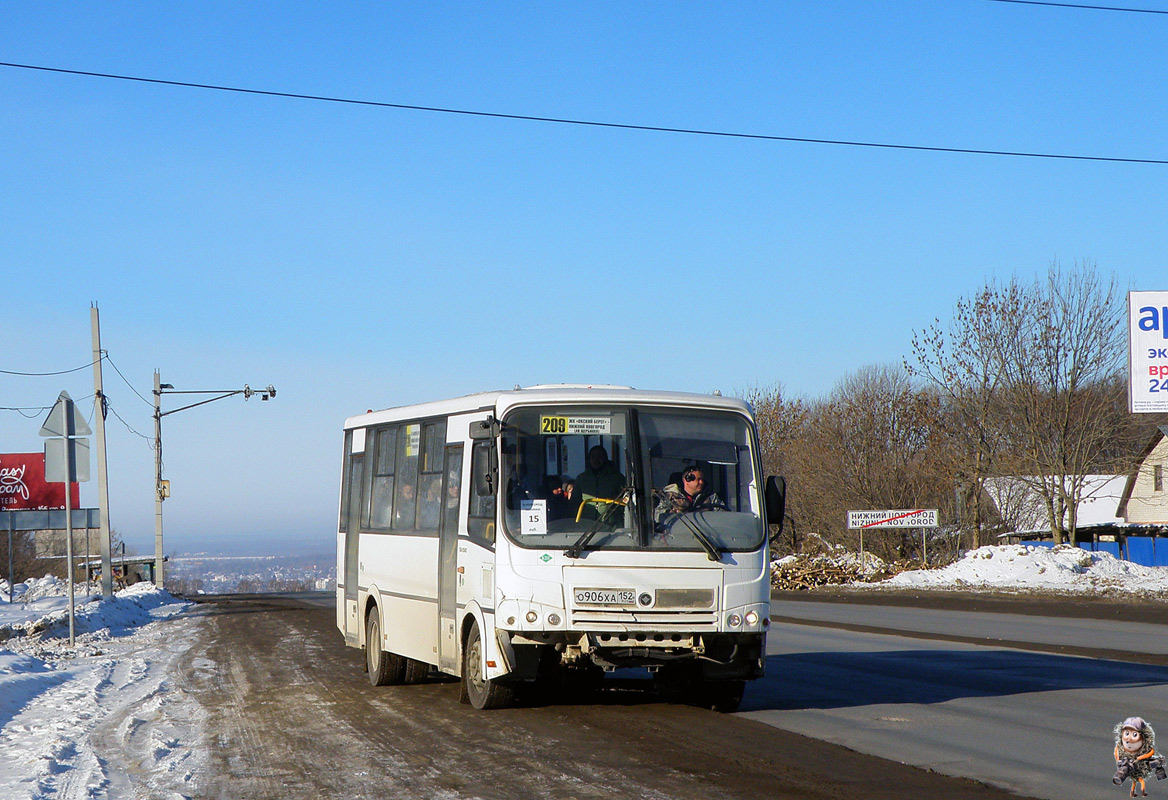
(381, 490)
(405, 494)
(480, 524)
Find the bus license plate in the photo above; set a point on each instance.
(606, 597)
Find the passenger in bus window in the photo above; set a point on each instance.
(688, 494)
(601, 478)
(519, 488)
(403, 516)
(431, 503)
(453, 484)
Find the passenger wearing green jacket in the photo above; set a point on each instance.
(600, 479)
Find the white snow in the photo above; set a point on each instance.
(1020, 568)
(106, 718)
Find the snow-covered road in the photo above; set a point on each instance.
(116, 716)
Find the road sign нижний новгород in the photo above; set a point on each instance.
(898, 518)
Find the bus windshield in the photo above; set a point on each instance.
(585, 478)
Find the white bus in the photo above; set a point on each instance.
(538, 535)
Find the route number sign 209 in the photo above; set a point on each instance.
(551, 425)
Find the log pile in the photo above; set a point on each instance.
(805, 573)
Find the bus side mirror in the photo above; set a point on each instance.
(483, 470)
(488, 428)
(776, 500)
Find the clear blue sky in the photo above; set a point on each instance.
(361, 257)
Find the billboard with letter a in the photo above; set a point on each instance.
(1147, 384)
(23, 486)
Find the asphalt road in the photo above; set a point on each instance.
(290, 714)
(935, 687)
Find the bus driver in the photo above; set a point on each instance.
(689, 494)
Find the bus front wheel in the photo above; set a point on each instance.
(480, 691)
(384, 668)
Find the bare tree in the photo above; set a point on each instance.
(1062, 340)
(957, 361)
(871, 443)
(24, 561)
(781, 426)
(1030, 374)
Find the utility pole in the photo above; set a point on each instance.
(107, 582)
(159, 578)
(161, 487)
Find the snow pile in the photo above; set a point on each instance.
(44, 606)
(1019, 567)
(83, 721)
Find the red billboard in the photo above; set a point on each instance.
(23, 487)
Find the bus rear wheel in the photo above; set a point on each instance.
(480, 691)
(384, 668)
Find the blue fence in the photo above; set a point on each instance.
(1149, 551)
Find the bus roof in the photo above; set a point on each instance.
(501, 401)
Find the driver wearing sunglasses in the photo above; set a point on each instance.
(688, 494)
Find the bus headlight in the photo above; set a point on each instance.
(553, 619)
(531, 616)
(751, 618)
(734, 620)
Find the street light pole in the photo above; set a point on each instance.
(161, 490)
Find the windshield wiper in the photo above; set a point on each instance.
(703, 540)
(577, 548)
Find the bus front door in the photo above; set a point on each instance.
(448, 563)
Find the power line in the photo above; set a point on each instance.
(36, 410)
(109, 407)
(1082, 5)
(106, 356)
(46, 374)
(581, 122)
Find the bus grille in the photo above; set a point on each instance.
(619, 619)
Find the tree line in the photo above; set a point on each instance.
(1025, 380)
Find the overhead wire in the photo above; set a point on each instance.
(105, 354)
(36, 410)
(106, 405)
(109, 407)
(1082, 5)
(582, 122)
(45, 374)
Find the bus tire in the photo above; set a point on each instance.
(482, 692)
(415, 671)
(385, 669)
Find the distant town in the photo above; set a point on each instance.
(202, 573)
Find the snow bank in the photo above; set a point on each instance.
(44, 606)
(1019, 567)
(81, 721)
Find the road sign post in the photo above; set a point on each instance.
(67, 461)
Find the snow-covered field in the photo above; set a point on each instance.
(111, 717)
(106, 718)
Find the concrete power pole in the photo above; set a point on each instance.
(159, 559)
(107, 584)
